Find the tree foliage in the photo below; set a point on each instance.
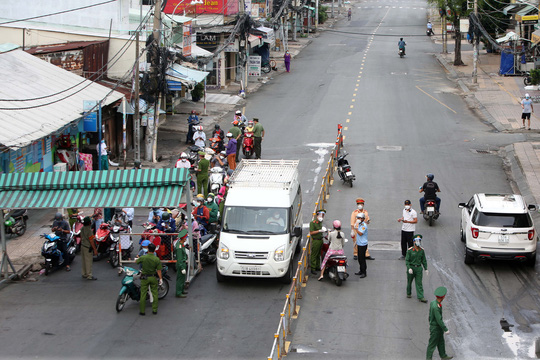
(455, 10)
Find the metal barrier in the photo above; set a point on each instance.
(290, 310)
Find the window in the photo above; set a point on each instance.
(255, 220)
(502, 220)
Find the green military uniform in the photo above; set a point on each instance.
(150, 265)
(202, 177)
(236, 133)
(257, 139)
(316, 244)
(214, 210)
(437, 328)
(181, 264)
(414, 260)
(72, 220)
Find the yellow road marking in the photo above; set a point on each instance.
(353, 100)
(353, 94)
(348, 120)
(351, 107)
(350, 113)
(345, 128)
(355, 89)
(446, 106)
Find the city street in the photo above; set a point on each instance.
(403, 119)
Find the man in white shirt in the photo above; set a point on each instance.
(199, 137)
(183, 162)
(130, 214)
(102, 153)
(408, 220)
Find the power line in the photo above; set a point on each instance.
(57, 13)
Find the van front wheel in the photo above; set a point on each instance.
(287, 278)
(219, 277)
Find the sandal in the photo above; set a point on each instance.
(319, 279)
(68, 268)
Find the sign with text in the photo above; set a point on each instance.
(208, 41)
(254, 65)
(529, 19)
(225, 7)
(186, 43)
(90, 110)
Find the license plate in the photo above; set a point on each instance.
(430, 208)
(503, 239)
(341, 268)
(348, 173)
(251, 268)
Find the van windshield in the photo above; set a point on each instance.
(502, 220)
(255, 220)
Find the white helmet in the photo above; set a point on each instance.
(527, 96)
(183, 155)
(229, 134)
(238, 112)
(199, 128)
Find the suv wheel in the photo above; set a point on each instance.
(531, 262)
(469, 259)
(461, 233)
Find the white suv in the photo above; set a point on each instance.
(498, 226)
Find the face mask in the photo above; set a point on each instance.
(417, 242)
(360, 207)
(209, 200)
(276, 216)
(320, 218)
(407, 207)
(195, 203)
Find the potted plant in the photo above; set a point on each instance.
(198, 92)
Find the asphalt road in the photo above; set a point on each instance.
(406, 120)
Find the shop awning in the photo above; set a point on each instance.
(528, 9)
(535, 37)
(309, 7)
(186, 76)
(513, 8)
(118, 188)
(200, 52)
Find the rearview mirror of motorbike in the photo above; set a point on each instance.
(532, 207)
(462, 205)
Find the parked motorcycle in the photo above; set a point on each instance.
(344, 169)
(336, 268)
(193, 155)
(430, 211)
(15, 221)
(208, 248)
(76, 232)
(120, 238)
(247, 144)
(132, 289)
(52, 254)
(217, 176)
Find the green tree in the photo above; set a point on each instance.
(456, 9)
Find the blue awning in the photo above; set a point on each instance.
(186, 76)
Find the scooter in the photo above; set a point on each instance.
(216, 144)
(103, 241)
(344, 169)
(132, 289)
(401, 53)
(430, 211)
(335, 267)
(217, 174)
(208, 247)
(52, 254)
(76, 231)
(247, 144)
(120, 234)
(15, 222)
(193, 155)
(429, 32)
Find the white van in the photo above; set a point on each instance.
(261, 227)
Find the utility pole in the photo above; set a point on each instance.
(475, 47)
(152, 126)
(316, 15)
(332, 15)
(136, 118)
(443, 32)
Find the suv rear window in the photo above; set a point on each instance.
(502, 220)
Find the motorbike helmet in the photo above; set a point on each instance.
(250, 123)
(145, 243)
(183, 155)
(211, 195)
(337, 224)
(417, 239)
(87, 220)
(58, 216)
(229, 135)
(9, 222)
(224, 153)
(527, 96)
(166, 216)
(238, 112)
(200, 197)
(216, 127)
(430, 177)
(235, 122)
(401, 39)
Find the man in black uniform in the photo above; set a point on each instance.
(430, 190)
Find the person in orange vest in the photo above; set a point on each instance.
(360, 209)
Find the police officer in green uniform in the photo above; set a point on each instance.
(150, 272)
(202, 174)
(415, 260)
(181, 264)
(437, 329)
(316, 230)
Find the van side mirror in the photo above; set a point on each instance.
(532, 207)
(462, 205)
(297, 231)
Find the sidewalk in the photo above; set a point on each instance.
(497, 98)
(25, 251)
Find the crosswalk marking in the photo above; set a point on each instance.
(223, 98)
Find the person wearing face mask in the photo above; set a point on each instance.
(183, 162)
(201, 213)
(361, 229)
(213, 208)
(316, 231)
(276, 219)
(360, 209)
(408, 221)
(415, 260)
